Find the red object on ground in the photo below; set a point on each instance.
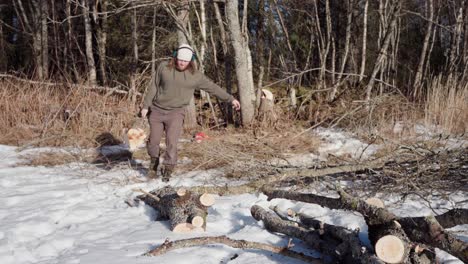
(200, 136)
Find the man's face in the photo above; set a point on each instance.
(181, 64)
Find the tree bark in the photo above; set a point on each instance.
(186, 211)
(183, 20)
(35, 22)
(382, 222)
(89, 44)
(240, 43)
(45, 38)
(346, 49)
(338, 244)
(383, 50)
(364, 42)
(134, 64)
(227, 61)
(243, 244)
(102, 41)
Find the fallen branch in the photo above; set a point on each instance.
(336, 243)
(242, 244)
(256, 185)
(381, 222)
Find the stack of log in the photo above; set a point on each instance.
(395, 239)
(185, 210)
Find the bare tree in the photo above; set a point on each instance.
(89, 43)
(133, 74)
(227, 58)
(422, 58)
(34, 20)
(100, 20)
(346, 49)
(383, 50)
(364, 41)
(239, 40)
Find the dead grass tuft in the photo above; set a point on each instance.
(446, 105)
(46, 115)
(242, 153)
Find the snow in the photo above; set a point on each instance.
(75, 213)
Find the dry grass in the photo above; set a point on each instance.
(241, 153)
(58, 116)
(447, 105)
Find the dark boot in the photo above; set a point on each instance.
(167, 172)
(153, 168)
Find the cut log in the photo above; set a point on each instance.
(453, 218)
(274, 223)
(266, 113)
(350, 247)
(136, 134)
(428, 230)
(373, 215)
(207, 199)
(390, 249)
(325, 243)
(392, 242)
(182, 208)
(375, 202)
(381, 222)
(181, 192)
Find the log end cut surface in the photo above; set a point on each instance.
(390, 249)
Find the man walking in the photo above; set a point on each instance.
(168, 94)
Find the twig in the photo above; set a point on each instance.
(147, 193)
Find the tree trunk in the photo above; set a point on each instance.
(266, 112)
(364, 42)
(45, 38)
(183, 21)
(3, 59)
(346, 49)
(227, 61)
(153, 43)
(133, 74)
(338, 244)
(33, 25)
(102, 41)
(240, 43)
(70, 40)
(383, 50)
(89, 44)
(382, 222)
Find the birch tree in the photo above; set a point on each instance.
(364, 42)
(89, 43)
(239, 40)
(422, 58)
(383, 49)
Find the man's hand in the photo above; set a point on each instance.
(236, 105)
(144, 112)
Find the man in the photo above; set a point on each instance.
(168, 94)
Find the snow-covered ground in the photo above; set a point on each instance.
(76, 213)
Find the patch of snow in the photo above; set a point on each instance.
(76, 213)
(341, 143)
